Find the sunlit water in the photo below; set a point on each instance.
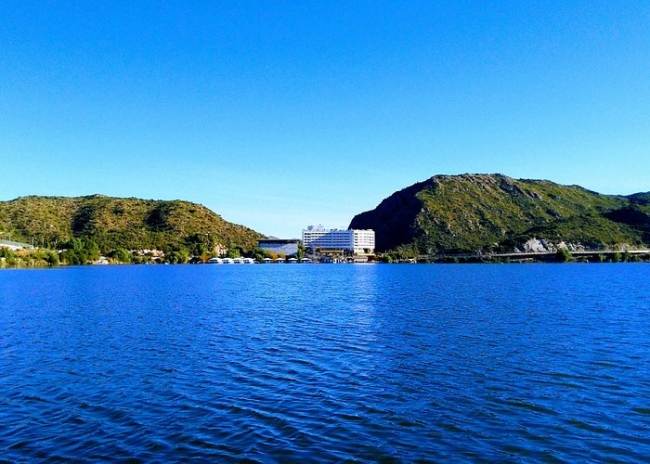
(276, 363)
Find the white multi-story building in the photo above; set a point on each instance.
(357, 241)
(364, 240)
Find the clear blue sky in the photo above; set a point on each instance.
(279, 114)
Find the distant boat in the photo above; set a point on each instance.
(215, 261)
(248, 261)
(227, 261)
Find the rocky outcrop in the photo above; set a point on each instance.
(535, 245)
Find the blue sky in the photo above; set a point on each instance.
(279, 114)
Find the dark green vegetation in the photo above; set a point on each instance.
(35, 258)
(474, 214)
(87, 227)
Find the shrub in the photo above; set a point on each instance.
(563, 255)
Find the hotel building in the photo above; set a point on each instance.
(356, 241)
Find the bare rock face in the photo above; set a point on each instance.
(535, 245)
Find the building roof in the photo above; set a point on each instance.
(278, 240)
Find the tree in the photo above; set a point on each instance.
(52, 258)
(121, 255)
(300, 254)
(6, 253)
(92, 250)
(80, 251)
(70, 256)
(176, 254)
(259, 254)
(563, 255)
(199, 249)
(233, 252)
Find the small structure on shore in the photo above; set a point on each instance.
(279, 246)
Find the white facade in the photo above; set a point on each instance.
(357, 241)
(364, 239)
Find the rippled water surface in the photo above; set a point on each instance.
(276, 363)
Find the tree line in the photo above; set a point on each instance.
(196, 248)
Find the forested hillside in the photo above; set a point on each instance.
(106, 224)
(482, 213)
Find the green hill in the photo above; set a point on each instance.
(474, 212)
(112, 223)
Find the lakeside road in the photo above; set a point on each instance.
(533, 255)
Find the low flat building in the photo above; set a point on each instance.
(286, 247)
(357, 241)
(11, 245)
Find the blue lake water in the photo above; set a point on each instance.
(365, 363)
